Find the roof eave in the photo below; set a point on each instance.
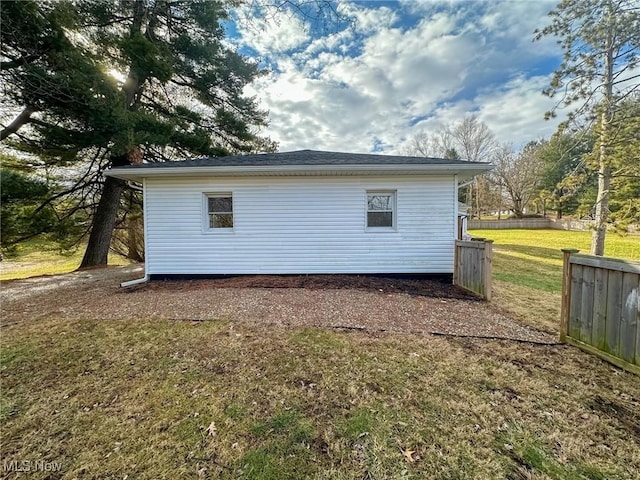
(462, 170)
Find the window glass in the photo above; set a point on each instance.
(220, 204)
(379, 202)
(220, 210)
(379, 219)
(380, 208)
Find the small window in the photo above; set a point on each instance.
(381, 209)
(220, 210)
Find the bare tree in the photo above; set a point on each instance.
(439, 144)
(476, 143)
(519, 174)
(473, 139)
(470, 140)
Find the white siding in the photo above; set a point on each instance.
(299, 225)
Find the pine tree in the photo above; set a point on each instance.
(601, 46)
(105, 84)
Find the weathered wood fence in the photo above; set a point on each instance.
(473, 266)
(601, 307)
(553, 223)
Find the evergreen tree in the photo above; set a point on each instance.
(625, 165)
(105, 84)
(564, 177)
(601, 47)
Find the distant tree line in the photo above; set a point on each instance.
(555, 176)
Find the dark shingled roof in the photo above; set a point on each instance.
(301, 158)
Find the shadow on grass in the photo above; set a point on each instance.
(529, 273)
(540, 252)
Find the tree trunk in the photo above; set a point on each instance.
(604, 170)
(18, 122)
(476, 182)
(104, 219)
(135, 244)
(469, 199)
(602, 200)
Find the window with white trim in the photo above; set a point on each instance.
(381, 209)
(220, 211)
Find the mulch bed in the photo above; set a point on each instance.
(419, 287)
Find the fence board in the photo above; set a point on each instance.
(586, 305)
(637, 359)
(614, 309)
(576, 301)
(473, 266)
(600, 308)
(608, 263)
(614, 301)
(629, 316)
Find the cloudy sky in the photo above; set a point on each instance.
(399, 68)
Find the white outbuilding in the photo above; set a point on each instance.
(300, 212)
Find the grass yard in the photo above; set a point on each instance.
(157, 399)
(527, 268)
(144, 398)
(37, 257)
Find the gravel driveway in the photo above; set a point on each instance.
(364, 303)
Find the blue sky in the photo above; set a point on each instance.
(401, 68)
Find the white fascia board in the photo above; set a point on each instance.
(463, 171)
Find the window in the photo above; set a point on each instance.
(220, 210)
(380, 209)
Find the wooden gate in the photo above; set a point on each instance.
(473, 265)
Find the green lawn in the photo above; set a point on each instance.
(527, 268)
(38, 257)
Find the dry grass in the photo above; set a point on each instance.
(110, 399)
(148, 398)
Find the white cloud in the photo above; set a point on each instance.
(373, 85)
(514, 111)
(283, 33)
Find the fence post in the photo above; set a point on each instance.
(566, 292)
(456, 247)
(488, 267)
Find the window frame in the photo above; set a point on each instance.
(206, 224)
(394, 210)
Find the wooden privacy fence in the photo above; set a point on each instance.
(473, 263)
(601, 307)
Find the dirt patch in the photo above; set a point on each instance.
(373, 304)
(628, 417)
(95, 278)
